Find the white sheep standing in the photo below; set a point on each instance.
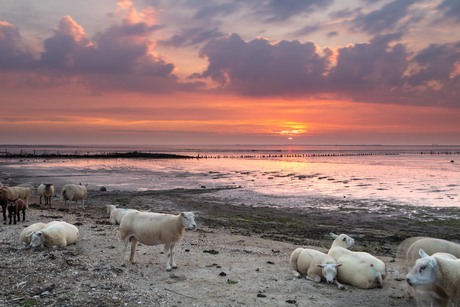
(22, 193)
(430, 246)
(359, 269)
(150, 228)
(46, 191)
(26, 234)
(116, 214)
(55, 234)
(74, 192)
(315, 265)
(439, 270)
(429, 294)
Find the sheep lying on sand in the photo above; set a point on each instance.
(359, 269)
(155, 228)
(439, 270)
(14, 209)
(74, 192)
(46, 191)
(26, 233)
(55, 233)
(429, 294)
(116, 214)
(315, 265)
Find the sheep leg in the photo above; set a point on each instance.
(169, 250)
(123, 251)
(133, 249)
(41, 199)
(23, 214)
(10, 213)
(296, 274)
(314, 277)
(339, 285)
(4, 213)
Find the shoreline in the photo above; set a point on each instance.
(239, 256)
(377, 223)
(377, 232)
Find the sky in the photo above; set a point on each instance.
(230, 72)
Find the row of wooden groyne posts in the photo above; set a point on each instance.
(149, 155)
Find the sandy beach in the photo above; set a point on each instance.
(239, 256)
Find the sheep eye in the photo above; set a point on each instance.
(344, 239)
(422, 267)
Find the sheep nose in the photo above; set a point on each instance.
(409, 281)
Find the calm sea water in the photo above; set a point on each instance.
(282, 175)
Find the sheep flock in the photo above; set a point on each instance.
(433, 265)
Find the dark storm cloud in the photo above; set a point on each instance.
(280, 10)
(451, 9)
(370, 65)
(12, 54)
(191, 37)
(307, 30)
(384, 19)
(119, 58)
(211, 10)
(260, 68)
(379, 71)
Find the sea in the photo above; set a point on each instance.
(278, 175)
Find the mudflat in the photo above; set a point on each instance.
(239, 256)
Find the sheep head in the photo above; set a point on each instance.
(188, 220)
(342, 240)
(424, 270)
(329, 271)
(37, 239)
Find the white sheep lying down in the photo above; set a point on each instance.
(26, 234)
(359, 269)
(55, 234)
(315, 265)
(116, 214)
(150, 228)
(428, 294)
(441, 269)
(74, 192)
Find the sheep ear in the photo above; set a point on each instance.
(422, 253)
(338, 264)
(320, 265)
(333, 235)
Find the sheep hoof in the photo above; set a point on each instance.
(168, 270)
(341, 287)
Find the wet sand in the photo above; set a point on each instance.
(238, 257)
